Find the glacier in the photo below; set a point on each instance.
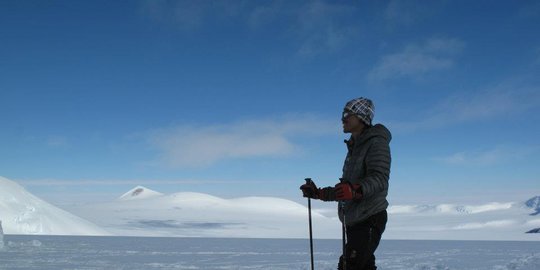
(23, 213)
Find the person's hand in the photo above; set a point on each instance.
(310, 190)
(345, 191)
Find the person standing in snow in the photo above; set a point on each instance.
(363, 188)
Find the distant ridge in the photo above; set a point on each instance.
(449, 208)
(143, 212)
(534, 204)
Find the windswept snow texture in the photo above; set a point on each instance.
(24, 213)
(146, 253)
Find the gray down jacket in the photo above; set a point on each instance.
(368, 164)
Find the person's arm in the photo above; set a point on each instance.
(377, 162)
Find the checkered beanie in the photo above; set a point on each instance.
(363, 108)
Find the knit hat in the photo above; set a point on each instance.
(363, 108)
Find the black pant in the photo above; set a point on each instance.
(362, 241)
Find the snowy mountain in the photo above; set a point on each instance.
(534, 204)
(144, 212)
(198, 214)
(490, 221)
(24, 213)
(203, 215)
(449, 208)
(139, 192)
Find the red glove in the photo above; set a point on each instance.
(345, 191)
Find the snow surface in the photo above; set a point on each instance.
(144, 253)
(24, 213)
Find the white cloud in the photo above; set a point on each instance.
(502, 100)
(417, 60)
(493, 156)
(198, 146)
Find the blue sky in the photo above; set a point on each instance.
(243, 98)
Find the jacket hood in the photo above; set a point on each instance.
(377, 130)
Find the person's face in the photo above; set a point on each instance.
(351, 123)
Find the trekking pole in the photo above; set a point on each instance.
(344, 241)
(308, 181)
(343, 231)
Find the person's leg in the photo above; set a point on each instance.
(362, 241)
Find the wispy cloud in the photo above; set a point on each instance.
(493, 156)
(183, 13)
(315, 27)
(190, 15)
(319, 27)
(416, 60)
(199, 146)
(400, 12)
(57, 141)
(502, 100)
(267, 12)
(529, 10)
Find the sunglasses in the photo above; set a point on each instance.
(346, 114)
